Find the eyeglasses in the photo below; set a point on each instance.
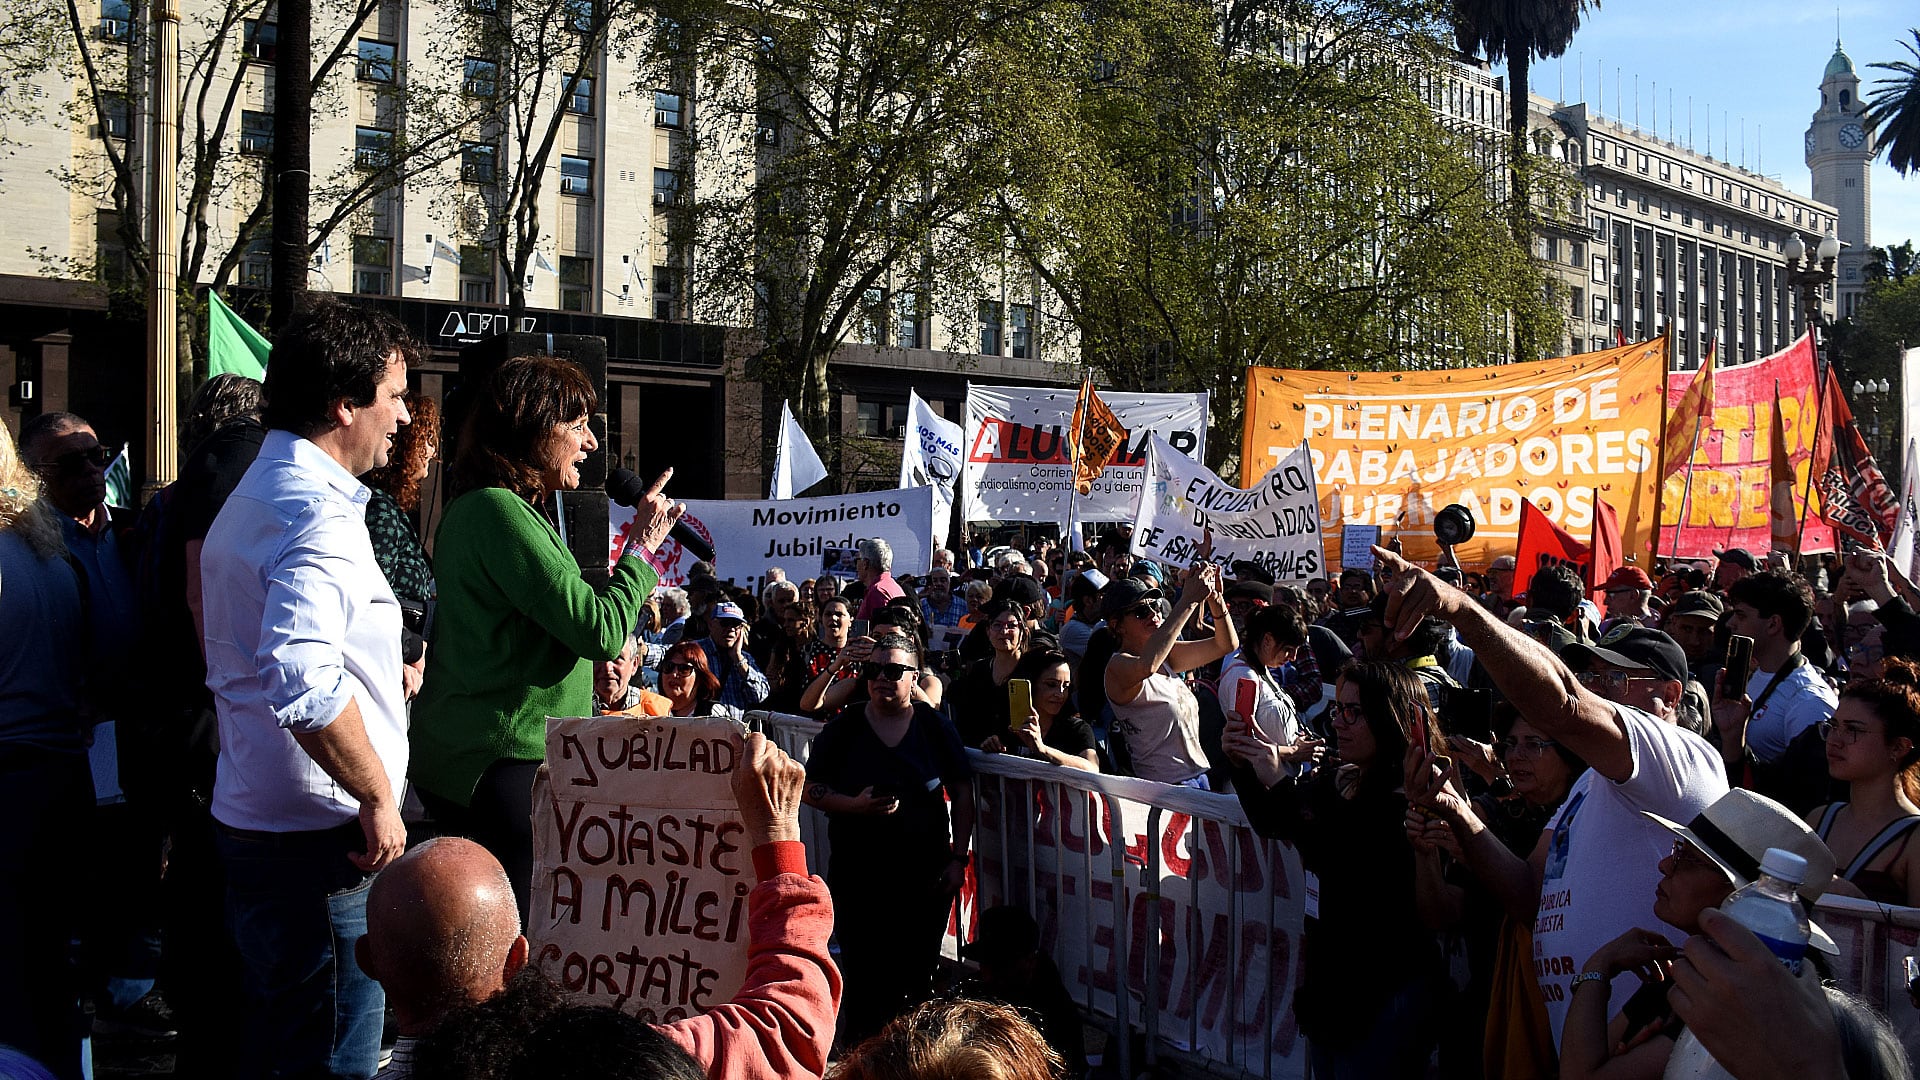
(1524, 747)
(1685, 855)
(74, 460)
(1348, 712)
(1141, 611)
(1614, 682)
(678, 667)
(1844, 734)
(889, 672)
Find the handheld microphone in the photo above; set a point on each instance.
(625, 487)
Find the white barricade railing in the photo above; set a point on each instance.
(1127, 877)
(1161, 907)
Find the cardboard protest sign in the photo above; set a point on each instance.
(1018, 467)
(1731, 501)
(641, 867)
(1356, 546)
(751, 535)
(1275, 523)
(1399, 446)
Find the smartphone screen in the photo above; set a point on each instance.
(1019, 702)
(860, 628)
(1244, 697)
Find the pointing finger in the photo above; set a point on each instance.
(660, 484)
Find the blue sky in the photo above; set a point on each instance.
(1756, 61)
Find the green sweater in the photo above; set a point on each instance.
(514, 640)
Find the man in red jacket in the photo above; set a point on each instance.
(443, 932)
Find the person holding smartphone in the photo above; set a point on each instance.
(979, 696)
(1050, 728)
(885, 773)
(1153, 708)
(1253, 699)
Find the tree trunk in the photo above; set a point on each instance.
(292, 158)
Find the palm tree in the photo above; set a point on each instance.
(1517, 31)
(1894, 114)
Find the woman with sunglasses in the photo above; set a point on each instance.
(686, 681)
(1372, 968)
(1873, 746)
(884, 771)
(836, 688)
(1153, 709)
(979, 695)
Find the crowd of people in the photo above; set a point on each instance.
(1522, 807)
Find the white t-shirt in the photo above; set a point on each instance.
(1273, 710)
(1603, 857)
(1803, 699)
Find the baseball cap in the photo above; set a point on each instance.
(1633, 647)
(1704, 604)
(1736, 830)
(1124, 593)
(1250, 590)
(727, 610)
(1019, 588)
(1740, 557)
(1248, 570)
(1627, 577)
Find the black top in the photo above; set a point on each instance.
(1368, 941)
(849, 758)
(978, 704)
(396, 547)
(1070, 735)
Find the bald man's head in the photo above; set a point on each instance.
(442, 931)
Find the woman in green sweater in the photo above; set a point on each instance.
(517, 629)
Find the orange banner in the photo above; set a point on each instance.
(1390, 449)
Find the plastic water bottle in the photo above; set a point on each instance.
(1771, 909)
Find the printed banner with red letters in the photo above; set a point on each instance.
(1392, 448)
(1018, 466)
(1730, 504)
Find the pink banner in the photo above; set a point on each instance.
(1732, 480)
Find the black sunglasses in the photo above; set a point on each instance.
(889, 672)
(72, 461)
(679, 667)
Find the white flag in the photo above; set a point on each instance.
(795, 466)
(540, 262)
(1902, 549)
(931, 458)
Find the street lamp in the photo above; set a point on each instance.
(1807, 279)
(1872, 393)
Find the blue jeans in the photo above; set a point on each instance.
(296, 906)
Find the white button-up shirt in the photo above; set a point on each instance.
(299, 622)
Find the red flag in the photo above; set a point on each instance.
(1096, 438)
(1608, 555)
(1854, 496)
(1543, 544)
(1780, 513)
(1683, 420)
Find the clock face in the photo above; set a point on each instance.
(1852, 136)
(1813, 144)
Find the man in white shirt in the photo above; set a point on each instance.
(302, 640)
(1579, 886)
(1788, 694)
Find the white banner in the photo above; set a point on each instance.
(931, 458)
(1017, 467)
(751, 535)
(1904, 548)
(1275, 523)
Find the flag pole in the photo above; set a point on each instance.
(1686, 489)
(1660, 492)
(1079, 424)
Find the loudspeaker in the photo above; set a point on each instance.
(583, 512)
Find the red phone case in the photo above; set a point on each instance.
(1243, 700)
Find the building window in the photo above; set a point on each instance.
(666, 109)
(1666, 171)
(1686, 215)
(580, 101)
(576, 175)
(261, 40)
(476, 274)
(372, 265)
(256, 132)
(479, 163)
(1020, 319)
(116, 116)
(910, 327)
(256, 264)
(1553, 249)
(482, 79)
(116, 22)
(1599, 309)
(1579, 254)
(1640, 162)
(1579, 302)
(873, 316)
(576, 283)
(666, 292)
(879, 420)
(1599, 227)
(372, 147)
(666, 187)
(483, 7)
(990, 327)
(768, 128)
(376, 61)
(580, 16)
(1620, 196)
(1599, 268)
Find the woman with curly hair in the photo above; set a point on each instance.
(395, 494)
(1873, 744)
(46, 789)
(518, 628)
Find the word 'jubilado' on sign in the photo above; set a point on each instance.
(751, 535)
(1391, 449)
(1275, 523)
(640, 865)
(1018, 466)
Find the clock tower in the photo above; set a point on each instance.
(1839, 151)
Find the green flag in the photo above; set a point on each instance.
(120, 480)
(232, 345)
